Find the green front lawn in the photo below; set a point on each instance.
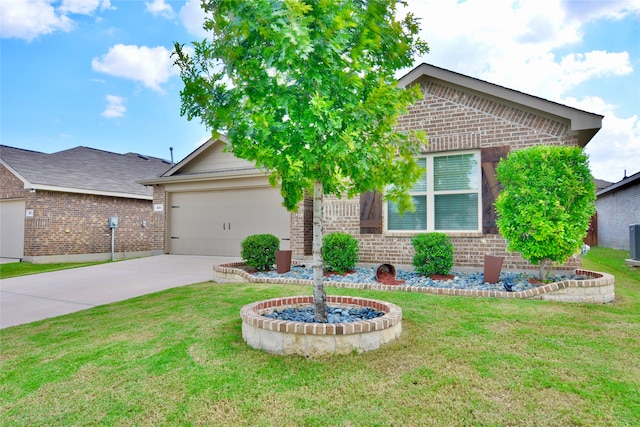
(177, 358)
(14, 269)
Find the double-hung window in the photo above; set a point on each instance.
(447, 197)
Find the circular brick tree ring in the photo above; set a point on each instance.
(285, 337)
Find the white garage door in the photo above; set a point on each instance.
(215, 222)
(12, 228)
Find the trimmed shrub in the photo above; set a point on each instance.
(434, 253)
(340, 252)
(259, 251)
(546, 202)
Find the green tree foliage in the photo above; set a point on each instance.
(307, 91)
(546, 202)
(340, 252)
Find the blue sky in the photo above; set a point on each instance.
(98, 73)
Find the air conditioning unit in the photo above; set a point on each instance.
(634, 235)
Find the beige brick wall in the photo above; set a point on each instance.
(454, 120)
(158, 226)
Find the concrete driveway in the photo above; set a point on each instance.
(40, 296)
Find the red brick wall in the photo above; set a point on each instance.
(454, 120)
(71, 224)
(301, 221)
(77, 224)
(10, 186)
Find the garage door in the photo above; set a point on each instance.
(215, 222)
(12, 228)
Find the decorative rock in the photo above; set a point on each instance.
(473, 281)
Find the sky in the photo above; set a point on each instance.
(99, 73)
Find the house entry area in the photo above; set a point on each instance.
(216, 222)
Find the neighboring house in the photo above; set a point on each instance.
(601, 184)
(56, 207)
(213, 200)
(618, 206)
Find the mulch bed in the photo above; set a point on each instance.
(388, 279)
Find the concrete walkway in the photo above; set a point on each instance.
(40, 296)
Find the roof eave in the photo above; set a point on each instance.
(620, 184)
(25, 181)
(195, 153)
(235, 173)
(44, 187)
(584, 123)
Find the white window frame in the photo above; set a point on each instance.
(431, 193)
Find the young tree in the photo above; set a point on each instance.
(546, 202)
(306, 90)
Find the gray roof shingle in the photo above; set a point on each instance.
(84, 168)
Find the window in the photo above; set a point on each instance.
(447, 197)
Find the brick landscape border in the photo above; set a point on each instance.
(318, 339)
(599, 288)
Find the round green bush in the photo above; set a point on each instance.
(544, 212)
(433, 253)
(340, 252)
(259, 251)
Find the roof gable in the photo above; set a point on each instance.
(83, 170)
(584, 124)
(209, 161)
(211, 157)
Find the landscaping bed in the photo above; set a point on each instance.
(582, 286)
(515, 282)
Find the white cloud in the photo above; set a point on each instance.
(192, 17)
(84, 7)
(150, 66)
(582, 67)
(115, 107)
(27, 19)
(537, 47)
(549, 77)
(588, 10)
(616, 147)
(160, 8)
(512, 43)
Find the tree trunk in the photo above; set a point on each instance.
(319, 295)
(542, 270)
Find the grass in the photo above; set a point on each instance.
(15, 269)
(177, 358)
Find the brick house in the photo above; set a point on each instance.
(56, 207)
(618, 206)
(214, 199)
